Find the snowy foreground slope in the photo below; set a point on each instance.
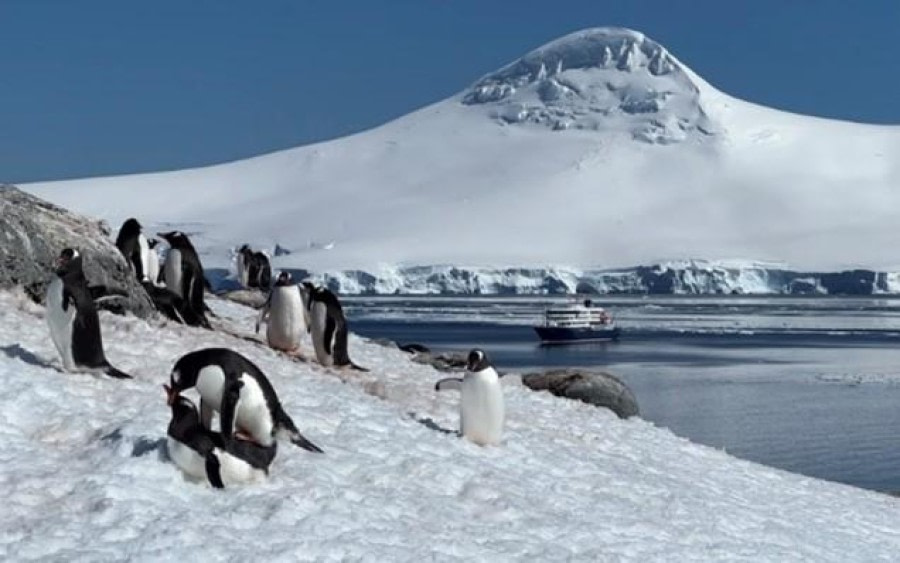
(84, 477)
(597, 150)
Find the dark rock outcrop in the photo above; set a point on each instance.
(33, 232)
(596, 388)
(444, 361)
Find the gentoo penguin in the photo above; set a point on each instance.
(133, 245)
(73, 320)
(152, 262)
(327, 327)
(232, 385)
(184, 277)
(481, 408)
(244, 263)
(204, 454)
(285, 315)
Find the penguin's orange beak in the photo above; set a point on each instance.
(171, 394)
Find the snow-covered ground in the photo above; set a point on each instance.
(598, 150)
(84, 477)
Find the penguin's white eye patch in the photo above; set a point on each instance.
(176, 376)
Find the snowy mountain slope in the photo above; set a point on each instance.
(600, 149)
(84, 476)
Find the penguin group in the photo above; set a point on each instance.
(250, 415)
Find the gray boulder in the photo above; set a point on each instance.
(33, 232)
(596, 388)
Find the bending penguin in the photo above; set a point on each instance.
(481, 408)
(284, 314)
(232, 385)
(204, 454)
(184, 277)
(327, 327)
(73, 320)
(134, 246)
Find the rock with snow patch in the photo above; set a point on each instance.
(33, 232)
(594, 387)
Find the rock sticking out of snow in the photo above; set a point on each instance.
(33, 232)
(593, 387)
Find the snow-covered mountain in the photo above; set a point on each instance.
(598, 150)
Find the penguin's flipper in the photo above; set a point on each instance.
(213, 471)
(454, 383)
(117, 373)
(228, 413)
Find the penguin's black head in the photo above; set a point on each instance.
(176, 239)
(477, 360)
(183, 376)
(69, 260)
(152, 242)
(308, 286)
(131, 226)
(182, 408)
(284, 278)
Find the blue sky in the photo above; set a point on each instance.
(107, 87)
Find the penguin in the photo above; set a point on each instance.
(253, 268)
(133, 245)
(204, 454)
(253, 409)
(481, 407)
(152, 262)
(73, 320)
(244, 263)
(284, 314)
(327, 327)
(184, 277)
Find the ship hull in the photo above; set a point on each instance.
(557, 335)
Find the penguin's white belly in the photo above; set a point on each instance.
(253, 416)
(145, 256)
(173, 272)
(233, 470)
(481, 407)
(152, 268)
(60, 322)
(286, 319)
(187, 459)
(317, 316)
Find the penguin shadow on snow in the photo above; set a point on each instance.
(140, 446)
(429, 423)
(17, 352)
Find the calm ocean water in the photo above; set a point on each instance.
(810, 385)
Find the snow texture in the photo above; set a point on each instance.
(85, 476)
(597, 150)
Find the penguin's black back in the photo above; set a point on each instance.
(87, 341)
(128, 245)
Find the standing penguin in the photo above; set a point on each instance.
(285, 315)
(72, 317)
(327, 327)
(133, 245)
(184, 277)
(152, 262)
(481, 408)
(232, 385)
(204, 454)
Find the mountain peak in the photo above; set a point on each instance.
(600, 78)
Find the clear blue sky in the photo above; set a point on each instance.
(117, 86)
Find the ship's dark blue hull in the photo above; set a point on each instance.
(556, 335)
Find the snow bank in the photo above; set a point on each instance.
(84, 476)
